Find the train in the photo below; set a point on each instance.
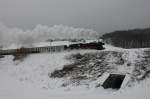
(23, 50)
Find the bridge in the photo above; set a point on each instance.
(93, 45)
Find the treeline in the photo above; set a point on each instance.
(137, 38)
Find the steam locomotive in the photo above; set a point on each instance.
(92, 45)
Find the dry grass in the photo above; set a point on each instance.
(89, 66)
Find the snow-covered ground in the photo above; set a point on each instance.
(28, 79)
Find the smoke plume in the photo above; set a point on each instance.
(42, 33)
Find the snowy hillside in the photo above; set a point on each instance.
(30, 78)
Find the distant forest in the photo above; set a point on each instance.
(137, 38)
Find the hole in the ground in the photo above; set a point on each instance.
(114, 81)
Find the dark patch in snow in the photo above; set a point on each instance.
(114, 81)
(1, 56)
(20, 54)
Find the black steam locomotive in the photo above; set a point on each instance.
(92, 45)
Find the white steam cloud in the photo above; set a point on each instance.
(41, 33)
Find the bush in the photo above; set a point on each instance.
(1, 56)
(20, 54)
(89, 66)
(138, 38)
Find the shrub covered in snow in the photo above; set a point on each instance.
(90, 66)
(20, 54)
(142, 67)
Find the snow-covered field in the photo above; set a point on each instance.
(29, 78)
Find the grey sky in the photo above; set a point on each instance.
(100, 15)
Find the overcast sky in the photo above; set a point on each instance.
(100, 15)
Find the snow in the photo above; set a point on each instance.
(10, 88)
(56, 43)
(111, 48)
(12, 46)
(28, 79)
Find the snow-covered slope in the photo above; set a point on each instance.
(29, 78)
